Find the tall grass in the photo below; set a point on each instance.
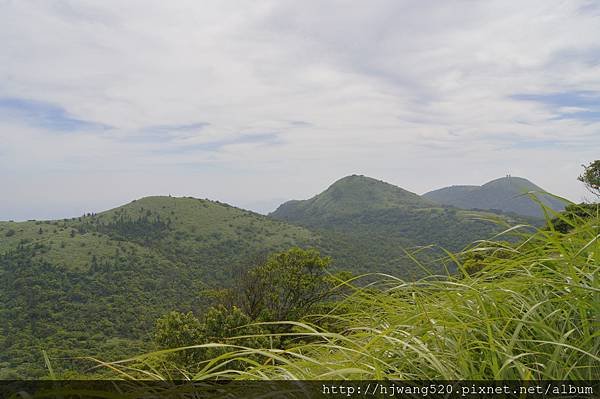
(531, 311)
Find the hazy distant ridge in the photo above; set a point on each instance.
(507, 194)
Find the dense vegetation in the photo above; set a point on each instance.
(96, 284)
(283, 286)
(531, 311)
(107, 308)
(508, 194)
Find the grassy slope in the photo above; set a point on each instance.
(73, 252)
(208, 235)
(196, 228)
(350, 195)
(96, 284)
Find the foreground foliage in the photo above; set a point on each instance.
(284, 286)
(591, 177)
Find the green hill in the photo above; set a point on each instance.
(507, 194)
(368, 225)
(351, 195)
(95, 284)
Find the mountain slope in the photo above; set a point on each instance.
(350, 195)
(96, 284)
(198, 232)
(368, 225)
(507, 194)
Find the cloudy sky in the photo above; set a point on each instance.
(253, 103)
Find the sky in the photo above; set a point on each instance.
(255, 103)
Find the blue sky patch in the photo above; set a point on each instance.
(190, 127)
(578, 105)
(259, 138)
(165, 133)
(301, 124)
(45, 115)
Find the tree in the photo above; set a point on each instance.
(591, 177)
(284, 286)
(221, 324)
(575, 214)
(176, 330)
(287, 285)
(218, 325)
(248, 290)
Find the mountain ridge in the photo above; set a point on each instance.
(380, 223)
(355, 193)
(509, 194)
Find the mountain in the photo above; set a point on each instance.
(507, 194)
(96, 284)
(350, 195)
(368, 225)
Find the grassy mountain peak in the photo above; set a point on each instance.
(514, 182)
(352, 194)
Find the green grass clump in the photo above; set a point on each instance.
(530, 311)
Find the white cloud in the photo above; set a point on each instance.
(291, 96)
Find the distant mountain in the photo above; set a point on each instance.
(351, 195)
(96, 284)
(507, 194)
(368, 225)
